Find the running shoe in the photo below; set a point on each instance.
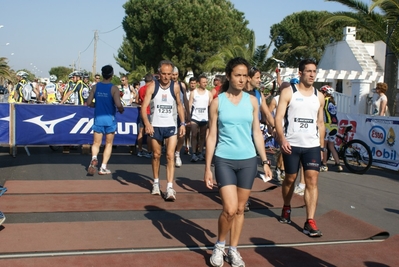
(285, 215)
(141, 154)
(217, 256)
(194, 158)
(247, 205)
(299, 191)
(311, 229)
(277, 175)
(155, 189)
(104, 171)
(148, 155)
(201, 157)
(234, 258)
(2, 190)
(170, 194)
(178, 162)
(323, 168)
(92, 167)
(339, 167)
(2, 218)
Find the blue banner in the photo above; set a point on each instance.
(4, 123)
(68, 125)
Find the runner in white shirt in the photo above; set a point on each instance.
(200, 99)
(301, 140)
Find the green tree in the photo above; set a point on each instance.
(5, 71)
(300, 36)
(381, 24)
(187, 32)
(61, 72)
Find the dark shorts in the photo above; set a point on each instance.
(241, 173)
(309, 157)
(141, 123)
(104, 129)
(161, 133)
(200, 123)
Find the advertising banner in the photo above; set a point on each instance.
(379, 133)
(4, 123)
(67, 125)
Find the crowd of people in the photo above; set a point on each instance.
(221, 126)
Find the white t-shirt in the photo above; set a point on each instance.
(377, 105)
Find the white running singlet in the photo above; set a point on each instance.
(301, 120)
(200, 106)
(163, 109)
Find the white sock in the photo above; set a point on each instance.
(170, 185)
(94, 157)
(302, 186)
(156, 180)
(104, 166)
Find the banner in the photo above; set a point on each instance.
(379, 133)
(68, 125)
(4, 123)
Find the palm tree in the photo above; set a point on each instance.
(5, 71)
(382, 24)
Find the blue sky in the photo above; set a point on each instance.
(40, 34)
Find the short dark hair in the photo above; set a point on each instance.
(192, 79)
(148, 78)
(305, 62)
(107, 71)
(202, 77)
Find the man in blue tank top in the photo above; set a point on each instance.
(106, 97)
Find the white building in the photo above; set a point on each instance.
(353, 68)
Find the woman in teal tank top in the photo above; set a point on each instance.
(233, 118)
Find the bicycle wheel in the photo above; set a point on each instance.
(357, 156)
(266, 79)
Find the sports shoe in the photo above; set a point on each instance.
(155, 189)
(217, 255)
(170, 194)
(285, 215)
(201, 157)
(339, 167)
(234, 258)
(194, 158)
(141, 153)
(92, 167)
(323, 168)
(178, 162)
(104, 171)
(148, 155)
(298, 190)
(2, 218)
(247, 205)
(277, 175)
(311, 229)
(2, 190)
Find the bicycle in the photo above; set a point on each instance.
(355, 153)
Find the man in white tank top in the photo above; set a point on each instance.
(301, 139)
(163, 95)
(200, 99)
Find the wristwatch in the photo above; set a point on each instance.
(182, 124)
(266, 162)
(323, 149)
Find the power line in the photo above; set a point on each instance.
(111, 30)
(107, 44)
(88, 45)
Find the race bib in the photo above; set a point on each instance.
(303, 125)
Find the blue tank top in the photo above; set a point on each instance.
(104, 112)
(235, 128)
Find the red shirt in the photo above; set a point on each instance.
(217, 89)
(142, 91)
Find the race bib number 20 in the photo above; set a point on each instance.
(303, 125)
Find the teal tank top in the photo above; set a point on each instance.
(235, 128)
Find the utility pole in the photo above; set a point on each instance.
(95, 53)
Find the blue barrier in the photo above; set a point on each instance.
(67, 125)
(4, 123)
